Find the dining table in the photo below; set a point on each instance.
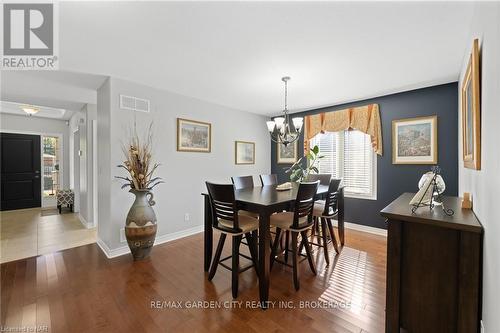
(265, 200)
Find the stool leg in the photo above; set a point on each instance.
(236, 264)
(308, 251)
(287, 246)
(274, 249)
(295, 261)
(282, 246)
(218, 252)
(252, 246)
(332, 235)
(301, 246)
(325, 240)
(255, 242)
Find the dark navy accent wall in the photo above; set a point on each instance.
(392, 180)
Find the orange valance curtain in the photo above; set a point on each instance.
(364, 118)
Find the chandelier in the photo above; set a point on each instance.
(281, 129)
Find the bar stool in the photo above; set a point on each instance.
(324, 212)
(296, 222)
(230, 221)
(266, 180)
(243, 182)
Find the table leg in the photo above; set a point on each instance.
(264, 258)
(208, 234)
(340, 216)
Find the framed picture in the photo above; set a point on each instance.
(471, 114)
(244, 152)
(414, 141)
(195, 136)
(288, 154)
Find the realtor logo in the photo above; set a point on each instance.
(29, 32)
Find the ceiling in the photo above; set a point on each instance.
(235, 53)
(50, 90)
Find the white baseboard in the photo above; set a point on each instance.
(363, 228)
(178, 234)
(82, 220)
(122, 250)
(111, 253)
(86, 224)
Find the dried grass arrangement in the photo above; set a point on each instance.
(138, 162)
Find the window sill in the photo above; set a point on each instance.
(360, 196)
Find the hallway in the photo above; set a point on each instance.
(31, 232)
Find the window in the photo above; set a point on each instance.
(349, 155)
(50, 165)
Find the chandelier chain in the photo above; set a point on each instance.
(286, 95)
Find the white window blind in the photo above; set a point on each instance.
(349, 155)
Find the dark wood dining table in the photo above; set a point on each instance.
(265, 201)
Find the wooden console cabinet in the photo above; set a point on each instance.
(434, 268)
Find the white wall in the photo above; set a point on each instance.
(25, 124)
(82, 164)
(104, 161)
(74, 161)
(184, 173)
(485, 183)
(89, 154)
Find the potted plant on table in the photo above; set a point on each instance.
(298, 172)
(140, 226)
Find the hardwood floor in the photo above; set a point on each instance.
(80, 290)
(29, 232)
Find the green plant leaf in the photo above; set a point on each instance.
(315, 149)
(296, 175)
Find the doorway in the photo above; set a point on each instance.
(31, 174)
(20, 159)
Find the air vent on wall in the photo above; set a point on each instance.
(134, 103)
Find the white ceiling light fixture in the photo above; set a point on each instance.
(26, 108)
(280, 129)
(30, 109)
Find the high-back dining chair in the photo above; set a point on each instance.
(229, 221)
(324, 178)
(296, 222)
(268, 179)
(324, 212)
(241, 182)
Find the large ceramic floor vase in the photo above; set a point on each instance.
(140, 228)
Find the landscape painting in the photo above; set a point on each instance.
(244, 152)
(194, 136)
(288, 154)
(414, 141)
(471, 117)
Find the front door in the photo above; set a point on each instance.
(20, 167)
